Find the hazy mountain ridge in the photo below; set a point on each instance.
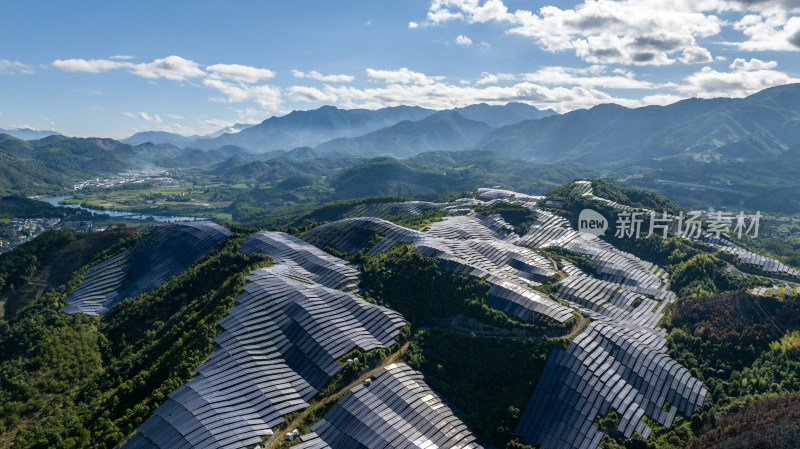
(310, 128)
(28, 133)
(160, 137)
(763, 124)
(443, 130)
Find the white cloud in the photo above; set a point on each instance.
(747, 77)
(588, 77)
(129, 114)
(88, 65)
(121, 57)
(241, 73)
(439, 95)
(696, 55)
(640, 32)
(752, 64)
(402, 76)
(176, 117)
(266, 96)
(150, 118)
(320, 77)
(769, 32)
(494, 78)
(413, 25)
(463, 40)
(309, 94)
(12, 67)
(172, 68)
(636, 32)
(661, 99)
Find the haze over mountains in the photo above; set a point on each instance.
(27, 133)
(318, 126)
(763, 125)
(748, 140)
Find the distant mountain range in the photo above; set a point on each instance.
(318, 126)
(750, 143)
(443, 130)
(763, 125)
(27, 133)
(159, 137)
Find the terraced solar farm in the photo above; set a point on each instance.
(295, 322)
(165, 251)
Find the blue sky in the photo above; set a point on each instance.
(115, 68)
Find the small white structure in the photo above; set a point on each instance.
(774, 290)
(349, 361)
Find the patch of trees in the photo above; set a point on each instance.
(520, 217)
(766, 423)
(488, 380)
(412, 284)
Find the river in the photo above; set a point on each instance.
(118, 214)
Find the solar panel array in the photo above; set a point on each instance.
(397, 409)
(323, 268)
(475, 245)
(166, 250)
(620, 361)
(279, 346)
(764, 263)
(613, 265)
(748, 257)
(610, 365)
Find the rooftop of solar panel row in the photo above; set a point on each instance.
(165, 251)
(468, 245)
(323, 268)
(397, 409)
(279, 345)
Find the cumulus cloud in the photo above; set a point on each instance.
(588, 77)
(637, 32)
(442, 95)
(88, 65)
(320, 77)
(402, 76)
(13, 67)
(752, 64)
(746, 77)
(309, 94)
(413, 25)
(696, 55)
(241, 73)
(172, 68)
(266, 96)
(463, 40)
(641, 32)
(494, 78)
(661, 99)
(150, 118)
